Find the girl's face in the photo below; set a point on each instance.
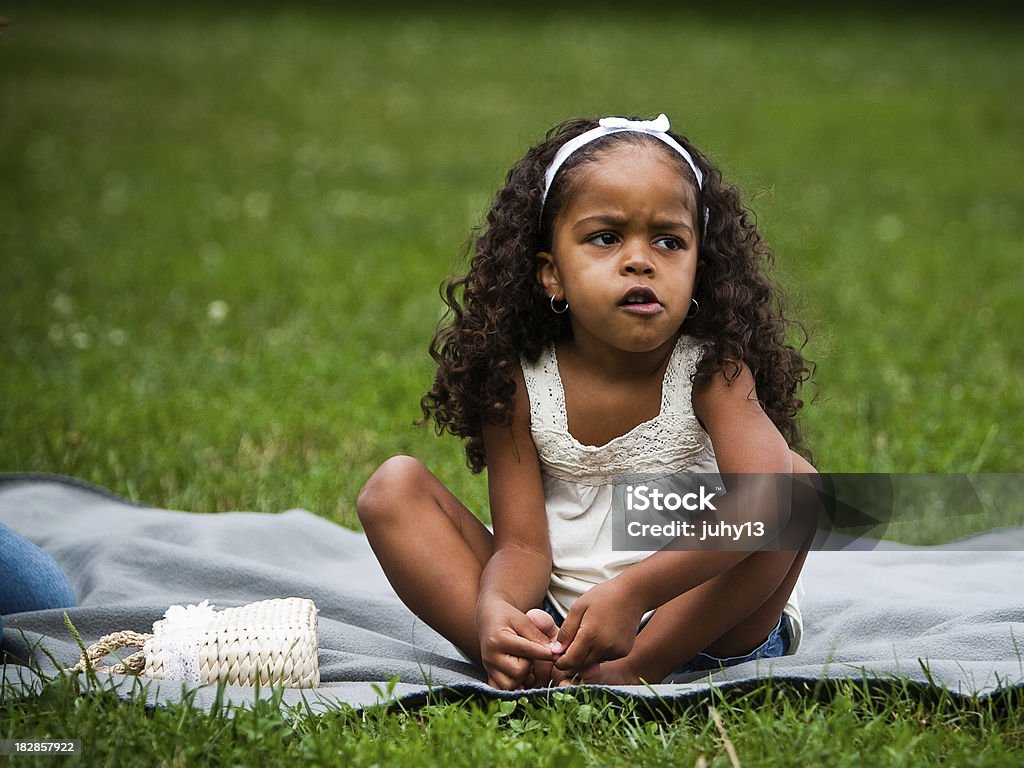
(624, 250)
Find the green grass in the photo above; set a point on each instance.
(319, 173)
(222, 233)
(844, 724)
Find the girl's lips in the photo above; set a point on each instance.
(649, 308)
(641, 300)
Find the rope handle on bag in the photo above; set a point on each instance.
(106, 645)
(273, 641)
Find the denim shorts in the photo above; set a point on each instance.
(777, 644)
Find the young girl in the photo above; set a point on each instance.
(615, 320)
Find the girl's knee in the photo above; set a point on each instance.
(392, 483)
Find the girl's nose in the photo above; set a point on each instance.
(637, 261)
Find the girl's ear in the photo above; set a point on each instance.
(547, 275)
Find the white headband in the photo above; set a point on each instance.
(607, 125)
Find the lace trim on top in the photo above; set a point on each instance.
(670, 442)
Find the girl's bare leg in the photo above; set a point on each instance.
(431, 547)
(729, 615)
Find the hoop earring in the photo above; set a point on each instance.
(564, 304)
(694, 310)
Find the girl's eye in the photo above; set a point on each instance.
(604, 238)
(671, 243)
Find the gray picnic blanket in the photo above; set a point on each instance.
(951, 617)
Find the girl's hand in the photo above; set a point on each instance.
(601, 626)
(510, 643)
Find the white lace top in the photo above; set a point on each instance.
(578, 478)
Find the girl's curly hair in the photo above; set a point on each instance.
(498, 311)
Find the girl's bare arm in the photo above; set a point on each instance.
(517, 575)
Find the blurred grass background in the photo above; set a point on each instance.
(222, 230)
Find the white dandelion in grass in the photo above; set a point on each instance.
(81, 339)
(217, 311)
(62, 304)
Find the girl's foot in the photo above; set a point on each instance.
(615, 672)
(542, 620)
(605, 673)
(544, 672)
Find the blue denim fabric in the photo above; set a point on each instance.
(30, 580)
(777, 643)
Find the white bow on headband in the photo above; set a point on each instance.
(658, 128)
(659, 124)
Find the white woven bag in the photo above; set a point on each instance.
(270, 642)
